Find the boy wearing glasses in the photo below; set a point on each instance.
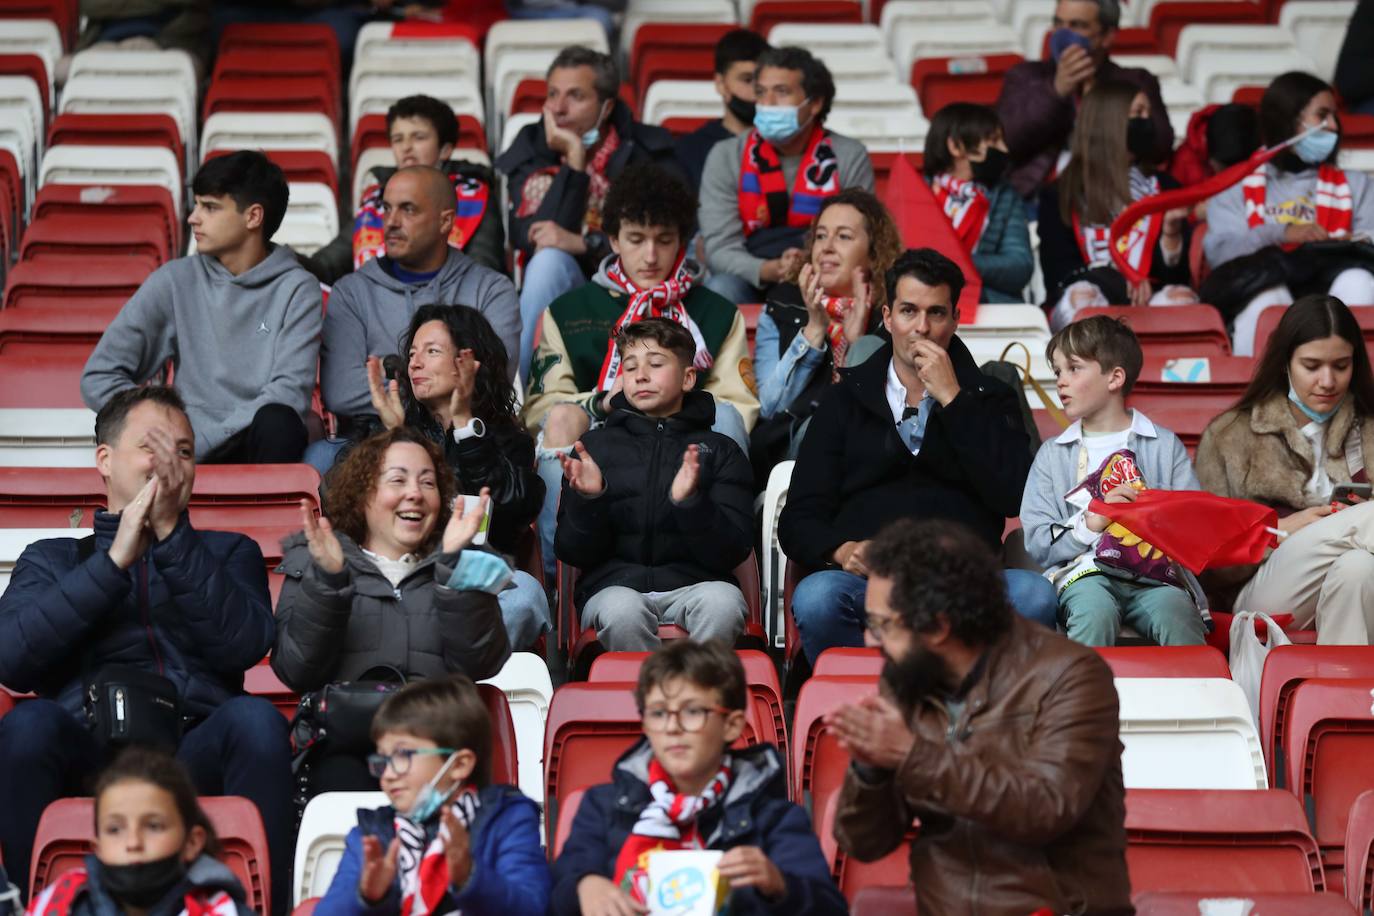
(449, 841)
(683, 787)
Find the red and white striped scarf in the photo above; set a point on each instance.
(966, 205)
(1334, 200)
(422, 867)
(668, 822)
(838, 308)
(662, 301)
(1138, 245)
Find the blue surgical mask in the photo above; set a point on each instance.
(430, 799)
(1311, 414)
(591, 137)
(1316, 147)
(777, 123)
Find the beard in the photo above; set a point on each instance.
(913, 677)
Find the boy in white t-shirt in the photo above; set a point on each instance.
(1096, 362)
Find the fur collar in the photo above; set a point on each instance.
(1274, 415)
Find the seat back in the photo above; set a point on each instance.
(524, 679)
(1285, 667)
(320, 838)
(849, 662)
(1205, 841)
(567, 813)
(1188, 733)
(851, 875)
(1190, 904)
(878, 900)
(1164, 661)
(1185, 330)
(818, 762)
(1359, 844)
(504, 768)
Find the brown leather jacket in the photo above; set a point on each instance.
(1020, 799)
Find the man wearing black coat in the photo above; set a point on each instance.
(917, 431)
(149, 592)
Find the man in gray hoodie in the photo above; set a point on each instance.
(370, 309)
(239, 321)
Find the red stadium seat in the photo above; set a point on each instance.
(1220, 841)
(882, 168)
(567, 812)
(877, 900)
(1164, 374)
(67, 278)
(1186, 904)
(225, 496)
(62, 12)
(72, 331)
(698, 37)
(65, 831)
(299, 165)
(1182, 330)
(970, 78)
(124, 129)
(43, 376)
(1330, 737)
(504, 769)
(261, 681)
(680, 63)
(1164, 661)
(765, 690)
(1270, 317)
(1186, 420)
(847, 662)
(818, 763)
(1285, 667)
(285, 38)
(96, 233)
(851, 875)
(681, 126)
(1168, 19)
(279, 93)
(261, 63)
(1359, 844)
(128, 200)
(32, 66)
(768, 13)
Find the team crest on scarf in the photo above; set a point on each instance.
(668, 822)
(1334, 205)
(421, 866)
(1137, 245)
(662, 301)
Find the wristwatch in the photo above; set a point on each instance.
(474, 427)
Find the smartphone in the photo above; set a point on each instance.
(1063, 39)
(1343, 492)
(470, 505)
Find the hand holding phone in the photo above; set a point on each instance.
(1351, 494)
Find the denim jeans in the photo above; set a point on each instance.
(828, 606)
(525, 611)
(549, 273)
(242, 748)
(322, 453)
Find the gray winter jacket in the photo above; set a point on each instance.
(335, 627)
(370, 310)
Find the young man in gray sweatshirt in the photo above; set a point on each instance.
(239, 321)
(370, 309)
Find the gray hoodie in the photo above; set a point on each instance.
(1291, 196)
(370, 310)
(237, 343)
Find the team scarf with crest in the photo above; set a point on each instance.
(1335, 205)
(763, 197)
(58, 898)
(662, 301)
(966, 205)
(838, 308)
(668, 822)
(1137, 245)
(369, 226)
(421, 865)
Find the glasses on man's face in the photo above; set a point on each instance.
(879, 626)
(689, 718)
(399, 760)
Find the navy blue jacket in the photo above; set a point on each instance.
(509, 877)
(756, 813)
(194, 608)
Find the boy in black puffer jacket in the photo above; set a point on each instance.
(658, 536)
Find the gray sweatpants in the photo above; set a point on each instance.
(627, 620)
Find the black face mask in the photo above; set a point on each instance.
(1140, 139)
(990, 170)
(144, 883)
(741, 109)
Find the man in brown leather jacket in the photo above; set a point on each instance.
(998, 735)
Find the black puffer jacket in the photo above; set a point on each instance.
(633, 534)
(334, 627)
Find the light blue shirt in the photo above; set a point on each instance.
(782, 378)
(912, 429)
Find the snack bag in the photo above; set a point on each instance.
(1119, 552)
(684, 882)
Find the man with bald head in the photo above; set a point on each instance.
(370, 309)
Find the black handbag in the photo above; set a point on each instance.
(127, 705)
(339, 716)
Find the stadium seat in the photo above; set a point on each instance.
(849, 662)
(89, 280)
(765, 690)
(146, 95)
(35, 68)
(524, 679)
(425, 64)
(284, 38)
(65, 836)
(22, 93)
(1285, 667)
(824, 38)
(375, 94)
(1190, 904)
(1269, 320)
(1359, 844)
(308, 93)
(172, 65)
(261, 681)
(117, 130)
(880, 900)
(321, 836)
(972, 78)
(683, 43)
(1225, 375)
(17, 138)
(680, 99)
(1329, 738)
(96, 234)
(113, 165)
(567, 813)
(225, 496)
(28, 31)
(416, 38)
(913, 41)
(818, 763)
(37, 380)
(667, 12)
(73, 329)
(1217, 73)
(1165, 661)
(129, 200)
(505, 768)
(46, 437)
(299, 131)
(767, 13)
(1183, 330)
(1220, 842)
(12, 544)
(1188, 733)
(882, 167)
(774, 560)
(1318, 27)
(851, 875)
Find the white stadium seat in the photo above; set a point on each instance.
(375, 94)
(642, 11)
(152, 165)
(1318, 27)
(378, 40)
(913, 41)
(822, 38)
(295, 130)
(320, 839)
(524, 679)
(99, 95)
(47, 437)
(174, 65)
(547, 36)
(680, 99)
(1188, 733)
(32, 36)
(774, 561)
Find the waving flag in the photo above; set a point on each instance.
(1196, 529)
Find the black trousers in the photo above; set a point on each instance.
(277, 435)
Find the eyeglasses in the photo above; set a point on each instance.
(689, 718)
(400, 760)
(879, 626)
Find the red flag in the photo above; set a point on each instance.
(1196, 529)
(923, 224)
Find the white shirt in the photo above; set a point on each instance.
(1094, 451)
(1100, 445)
(394, 570)
(896, 402)
(1318, 487)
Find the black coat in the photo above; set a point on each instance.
(632, 534)
(565, 201)
(854, 474)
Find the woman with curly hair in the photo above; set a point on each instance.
(809, 326)
(387, 577)
(455, 392)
